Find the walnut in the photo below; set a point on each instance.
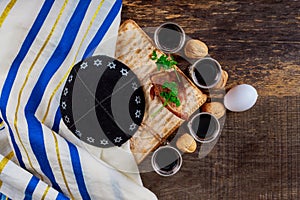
(186, 143)
(195, 49)
(215, 108)
(222, 83)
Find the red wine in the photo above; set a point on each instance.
(166, 160)
(170, 36)
(204, 126)
(206, 72)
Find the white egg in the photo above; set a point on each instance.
(240, 98)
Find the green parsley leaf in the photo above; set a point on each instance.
(172, 94)
(172, 86)
(154, 55)
(163, 61)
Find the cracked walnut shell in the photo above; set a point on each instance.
(186, 143)
(222, 83)
(195, 49)
(215, 108)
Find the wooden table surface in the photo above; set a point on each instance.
(258, 153)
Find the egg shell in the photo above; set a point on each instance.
(240, 98)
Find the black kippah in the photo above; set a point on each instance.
(102, 102)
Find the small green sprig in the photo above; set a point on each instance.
(154, 55)
(165, 62)
(170, 95)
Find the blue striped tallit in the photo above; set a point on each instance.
(39, 157)
(1, 125)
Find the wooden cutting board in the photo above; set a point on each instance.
(133, 49)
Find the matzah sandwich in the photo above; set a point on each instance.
(134, 49)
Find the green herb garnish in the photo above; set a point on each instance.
(165, 62)
(170, 95)
(154, 55)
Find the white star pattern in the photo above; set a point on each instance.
(97, 62)
(124, 72)
(137, 114)
(64, 105)
(90, 139)
(83, 65)
(137, 99)
(132, 127)
(118, 139)
(70, 78)
(78, 133)
(104, 142)
(67, 119)
(66, 91)
(111, 65)
(134, 86)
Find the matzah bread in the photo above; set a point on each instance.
(133, 49)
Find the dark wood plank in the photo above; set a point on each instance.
(257, 43)
(257, 157)
(258, 154)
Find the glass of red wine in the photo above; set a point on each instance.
(166, 160)
(204, 127)
(169, 37)
(206, 72)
